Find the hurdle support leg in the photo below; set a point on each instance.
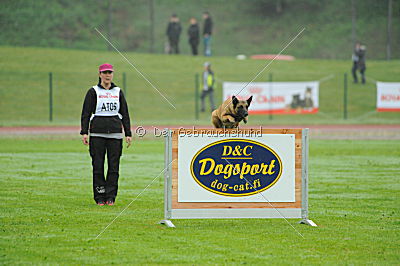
(308, 222)
(168, 223)
(304, 181)
(168, 181)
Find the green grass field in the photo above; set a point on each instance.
(48, 215)
(25, 99)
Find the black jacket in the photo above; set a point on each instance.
(174, 30)
(104, 124)
(207, 26)
(194, 34)
(360, 54)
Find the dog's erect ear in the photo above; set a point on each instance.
(249, 100)
(235, 100)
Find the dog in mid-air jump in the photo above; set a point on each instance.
(231, 112)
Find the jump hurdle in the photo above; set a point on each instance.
(236, 173)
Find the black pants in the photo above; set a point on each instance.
(104, 189)
(174, 46)
(362, 72)
(194, 47)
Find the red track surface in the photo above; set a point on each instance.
(317, 131)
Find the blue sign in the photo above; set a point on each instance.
(236, 167)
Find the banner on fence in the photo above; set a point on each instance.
(388, 96)
(276, 97)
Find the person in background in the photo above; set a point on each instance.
(208, 86)
(207, 31)
(173, 32)
(194, 35)
(104, 114)
(359, 62)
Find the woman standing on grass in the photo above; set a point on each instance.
(106, 110)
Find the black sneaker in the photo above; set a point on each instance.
(110, 202)
(101, 203)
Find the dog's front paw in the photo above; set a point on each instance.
(229, 120)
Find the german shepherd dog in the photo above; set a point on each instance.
(230, 113)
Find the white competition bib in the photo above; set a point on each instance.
(107, 102)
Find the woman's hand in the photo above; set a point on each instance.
(85, 138)
(129, 141)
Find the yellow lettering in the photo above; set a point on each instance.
(254, 169)
(227, 150)
(236, 171)
(237, 151)
(245, 170)
(245, 150)
(228, 171)
(203, 163)
(264, 168)
(219, 169)
(271, 166)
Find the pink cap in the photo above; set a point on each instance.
(106, 67)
